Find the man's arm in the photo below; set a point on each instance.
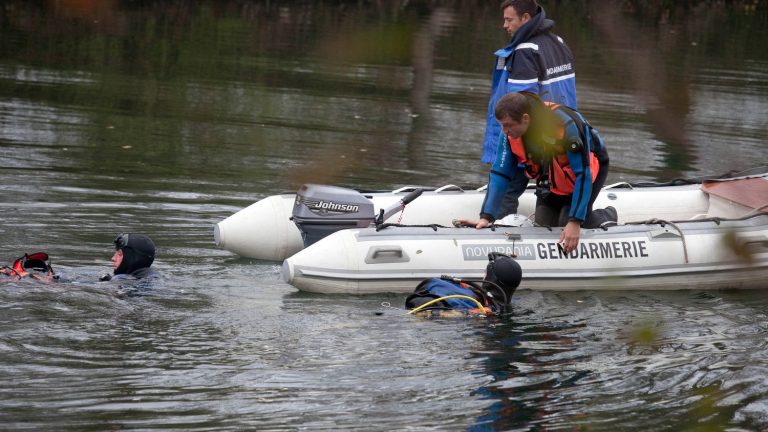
(498, 179)
(505, 174)
(578, 153)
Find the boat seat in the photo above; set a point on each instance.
(751, 193)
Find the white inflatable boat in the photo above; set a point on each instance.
(265, 230)
(706, 236)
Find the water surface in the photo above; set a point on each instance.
(166, 117)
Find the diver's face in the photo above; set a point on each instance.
(117, 258)
(515, 129)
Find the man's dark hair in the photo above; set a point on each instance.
(522, 6)
(512, 105)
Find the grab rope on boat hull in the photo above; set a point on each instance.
(663, 222)
(434, 227)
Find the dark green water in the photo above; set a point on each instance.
(166, 117)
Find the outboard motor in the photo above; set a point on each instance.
(322, 210)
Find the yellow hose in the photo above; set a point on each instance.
(479, 305)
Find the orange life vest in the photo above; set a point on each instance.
(562, 179)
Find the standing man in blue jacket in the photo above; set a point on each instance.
(536, 61)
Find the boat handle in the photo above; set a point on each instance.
(756, 241)
(405, 189)
(386, 255)
(395, 251)
(619, 184)
(484, 187)
(448, 188)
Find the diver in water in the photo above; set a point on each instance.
(447, 296)
(134, 254)
(36, 266)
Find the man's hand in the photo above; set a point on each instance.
(569, 239)
(478, 223)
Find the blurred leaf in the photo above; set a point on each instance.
(733, 243)
(646, 333)
(385, 44)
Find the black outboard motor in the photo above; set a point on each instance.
(322, 210)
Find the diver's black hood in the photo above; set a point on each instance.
(505, 272)
(138, 252)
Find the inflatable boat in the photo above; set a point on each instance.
(265, 230)
(707, 235)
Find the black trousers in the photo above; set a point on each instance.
(552, 209)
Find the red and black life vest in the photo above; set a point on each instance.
(557, 169)
(36, 266)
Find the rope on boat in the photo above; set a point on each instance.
(716, 220)
(756, 210)
(449, 187)
(672, 224)
(434, 227)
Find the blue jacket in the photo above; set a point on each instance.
(536, 61)
(506, 173)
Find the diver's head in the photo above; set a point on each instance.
(132, 252)
(505, 272)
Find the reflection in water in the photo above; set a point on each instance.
(384, 95)
(566, 371)
(166, 117)
(664, 98)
